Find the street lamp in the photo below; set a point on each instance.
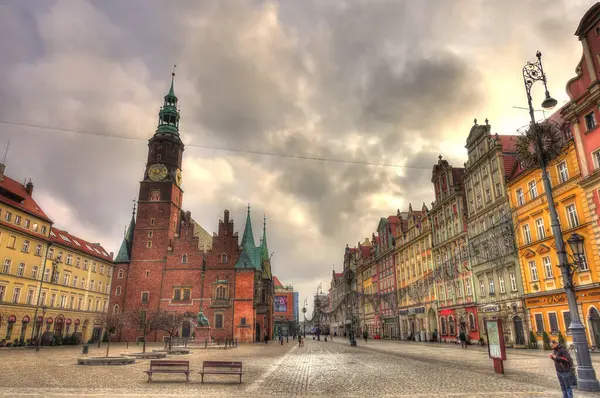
(532, 72)
(41, 327)
(304, 312)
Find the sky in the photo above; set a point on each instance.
(379, 82)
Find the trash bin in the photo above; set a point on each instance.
(86, 349)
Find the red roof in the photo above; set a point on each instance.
(64, 238)
(365, 251)
(338, 275)
(15, 194)
(509, 142)
(276, 282)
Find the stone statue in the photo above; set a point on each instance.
(202, 320)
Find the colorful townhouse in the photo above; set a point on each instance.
(456, 308)
(543, 285)
(492, 251)
(387, 320)
(416, 291)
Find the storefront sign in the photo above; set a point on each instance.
(553, 299)
(416, 310)
(490, 308)
(496, 349)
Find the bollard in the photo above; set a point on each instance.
(86, 348)
(236, 341)
(205, 343)
(128, 344)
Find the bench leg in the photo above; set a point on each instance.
(187, 377)
(202, 379)
(149, 377)
(240, 379)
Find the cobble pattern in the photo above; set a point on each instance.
(390, 369)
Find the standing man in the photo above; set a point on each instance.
(463, 339)
(365, 335)
(563, 364)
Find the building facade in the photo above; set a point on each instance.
(385, 260)
(52, 284)
(416, 291)
(167, 262)
(544, 295)
(492, 251)
(454, 285)
(365, 267)
(285, 320)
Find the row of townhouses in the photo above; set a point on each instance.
(484, 248)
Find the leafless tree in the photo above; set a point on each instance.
(111, 322)
(146, 321)
(170, 323)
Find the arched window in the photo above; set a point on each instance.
(443, 323)
(221, 292)
(184, 259)
(472, 324)
(120, 274)
(224, 258)
(118, 291)
(116, 309)
(451, 326)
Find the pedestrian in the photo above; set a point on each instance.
(266, 338)
(281, 339)
(562, 364)
(463, 339)
(365, 335)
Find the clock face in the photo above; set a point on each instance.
(157, 172)
(178, 177)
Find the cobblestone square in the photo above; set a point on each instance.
(320, 368)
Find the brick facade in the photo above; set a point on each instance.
(167, 261)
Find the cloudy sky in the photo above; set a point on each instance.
(392, 82)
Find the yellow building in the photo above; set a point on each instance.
(50, 281)
(365, 269)
(416, 293)
(544, 296)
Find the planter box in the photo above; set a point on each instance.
(105, 361)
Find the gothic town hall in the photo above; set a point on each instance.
(169, 262)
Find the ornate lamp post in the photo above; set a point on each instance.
(304, 313)
(532, 72)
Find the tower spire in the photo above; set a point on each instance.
(264, 250)
(168, 117)
(248, 237)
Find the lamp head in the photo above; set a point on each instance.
(549, 102)
(575, 241)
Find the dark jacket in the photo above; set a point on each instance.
(563, 361)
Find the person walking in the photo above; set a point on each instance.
(562, 364)
(463, 339)
(365, 335)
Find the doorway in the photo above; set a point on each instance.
(258, 337)
(594, 321)
(519, 334)
(185, 329)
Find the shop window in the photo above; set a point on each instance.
(553, 319)
(451, 326)
(443, 325)
(539, 323)
(472, 324)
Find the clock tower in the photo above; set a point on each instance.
(159, 209)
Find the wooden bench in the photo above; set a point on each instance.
(221, 368)
(169, 367)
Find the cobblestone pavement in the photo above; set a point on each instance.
(317, 369)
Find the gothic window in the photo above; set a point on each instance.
(145, 297)
(120, 274)
(159, 157)
(451, 325)
(471, 321)
(118, 291)
(152, 220)
(116, 309)
(155, 195)
(221, 292)
(149, 244)
(443, 324)
(224, 258)
(184, 259)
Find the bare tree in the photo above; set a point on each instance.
(144, 320)
(111, 322)
(170, 323)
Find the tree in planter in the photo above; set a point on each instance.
(561, 339)
(170, 322)
(546, 340)
(110, 322)
(532, 340)
(146, 321)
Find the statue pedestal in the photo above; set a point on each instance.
(202, 334)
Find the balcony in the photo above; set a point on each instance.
(220, 303)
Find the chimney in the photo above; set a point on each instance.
(2, 168)
(29, 187)
(112, 255)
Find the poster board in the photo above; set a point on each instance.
(495, 338)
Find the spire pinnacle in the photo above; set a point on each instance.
(168, 116)
(171, 91)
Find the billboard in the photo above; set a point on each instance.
(281, 303)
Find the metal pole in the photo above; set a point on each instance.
(586, 375)
(37, 305)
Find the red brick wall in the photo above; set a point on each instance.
(243, 307)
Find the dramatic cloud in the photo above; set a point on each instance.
(386, 82)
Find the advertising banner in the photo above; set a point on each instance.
(281, 303)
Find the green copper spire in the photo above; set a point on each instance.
(264, 249)
(248, 237)
(251, 255)
(124, 254)
(168, 117)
